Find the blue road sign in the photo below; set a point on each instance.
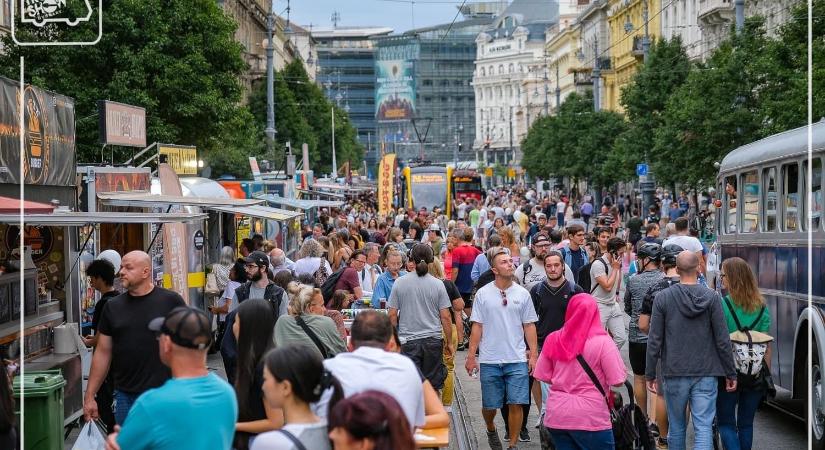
(641, 169)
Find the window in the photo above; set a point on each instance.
(510, 68)
(483, 72)
(750, 199)
(730, 205)
(816, 193)
(790, 195)
(501, 69)
(769, 181)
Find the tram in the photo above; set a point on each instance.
(467, 184)
(427, 186)
(764, 218)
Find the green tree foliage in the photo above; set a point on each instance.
(302, 114)
(178, 59)
(575, 143)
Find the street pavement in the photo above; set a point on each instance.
(773, 430)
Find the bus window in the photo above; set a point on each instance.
(750, 202)
(769, 181)
(790, 191)
(816, 193)
(730, 204)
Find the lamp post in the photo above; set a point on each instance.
(270, 81)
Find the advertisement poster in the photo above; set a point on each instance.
(395, 90)
(183, 160)
(386, 171)
(175, 243)
(122, 181)
(48, 136)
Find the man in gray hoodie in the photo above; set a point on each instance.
(689, 335)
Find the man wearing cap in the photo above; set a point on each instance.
(541, 222)
(532, 272)
(259, 284)
(434, 238)
(194, 409)
(125, 346)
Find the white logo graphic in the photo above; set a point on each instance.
(39, 13)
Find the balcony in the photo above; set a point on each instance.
(712, 12)
(582, 78)
(638, 49)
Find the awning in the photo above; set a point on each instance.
(300, 204)
(321, 193)
(143, 199)
(263, 212)
(12, 206)
(80, 218)
(340, 187)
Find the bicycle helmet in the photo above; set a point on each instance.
(650, 250)
(669, 254)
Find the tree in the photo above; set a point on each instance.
(179, 60)
(644, 100)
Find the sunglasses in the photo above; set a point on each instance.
(503, 298)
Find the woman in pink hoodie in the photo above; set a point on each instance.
(577, 413)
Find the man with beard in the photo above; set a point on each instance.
(550, 299)
(125, 345)
(531, 272)
(259, 284)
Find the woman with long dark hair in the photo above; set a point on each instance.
(369, 420)
(253, 328)
(8, 431)
(743, 303)
(294, 378)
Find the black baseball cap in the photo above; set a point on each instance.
(540, 238)
(187, 327)
(258, 258)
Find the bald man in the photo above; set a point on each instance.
(125, 345)
(278, 262)
(690, 312)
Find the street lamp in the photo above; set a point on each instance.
(270, 81)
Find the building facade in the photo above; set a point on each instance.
(346, 72)
(715, 18)
(628, 22)
(425, 104)
(680, 18)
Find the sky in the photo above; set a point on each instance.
(400, 15)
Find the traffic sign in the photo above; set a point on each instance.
(641, 169)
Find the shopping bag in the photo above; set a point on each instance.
(90, 438)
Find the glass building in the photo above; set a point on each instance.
(345, 71)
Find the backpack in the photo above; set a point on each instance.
(328, 287)
(583, 276)
(749, 347)
(320, 275)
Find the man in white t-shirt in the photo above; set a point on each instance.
(683, 239)
(532, 272)
(605, 283)
(503, 319)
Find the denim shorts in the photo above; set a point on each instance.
(502, 384)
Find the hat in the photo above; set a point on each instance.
(187, 327)
(540, 216)
(434, 227)
(540, 238)
(259, 258)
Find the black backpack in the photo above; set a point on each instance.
(583, 277)
(328, 288)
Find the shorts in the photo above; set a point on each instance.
(468, 299)
(638, 357)
(427, 354)
(502, 384)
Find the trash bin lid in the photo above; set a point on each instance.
(39, 382)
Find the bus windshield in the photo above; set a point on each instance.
(429, 190)
(467, 186)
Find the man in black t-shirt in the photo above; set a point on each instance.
(101, 275)
(125, 345)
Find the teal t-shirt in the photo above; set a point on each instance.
(185, 413)
(745, 318)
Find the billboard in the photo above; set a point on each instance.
(395, 90)
(48, 136)
(183, 159)
(121, 124)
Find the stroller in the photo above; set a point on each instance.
(630, 425)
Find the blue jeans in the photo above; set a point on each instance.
(700, 393)
(504, 384)
(123, 403)
(736, 424)
(582, 440)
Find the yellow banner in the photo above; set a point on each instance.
(386, 172)
(184, 160)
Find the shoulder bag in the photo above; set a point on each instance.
(297, 443)
(624, 431)
(312, 335)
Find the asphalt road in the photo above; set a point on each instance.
(773, 429)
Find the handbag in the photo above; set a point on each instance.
(212, 284)
(624, 431)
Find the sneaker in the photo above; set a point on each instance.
(524, 436)
(654, 430)
(661, 443)
(493, 440)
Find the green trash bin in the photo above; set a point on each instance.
(43, 397)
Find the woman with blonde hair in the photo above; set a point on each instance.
(436, 269)
(743, 307)
(307, 324)
(508, 241)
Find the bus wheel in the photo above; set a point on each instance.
(817, 398)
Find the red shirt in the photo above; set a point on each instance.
(348, 280)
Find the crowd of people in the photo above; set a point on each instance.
(353, 342)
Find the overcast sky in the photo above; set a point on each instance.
(400, 15)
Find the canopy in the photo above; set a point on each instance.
(263, 212)
(321, 193)
(300, 204)
(80, 218)
(12, 206)
(144, 199)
